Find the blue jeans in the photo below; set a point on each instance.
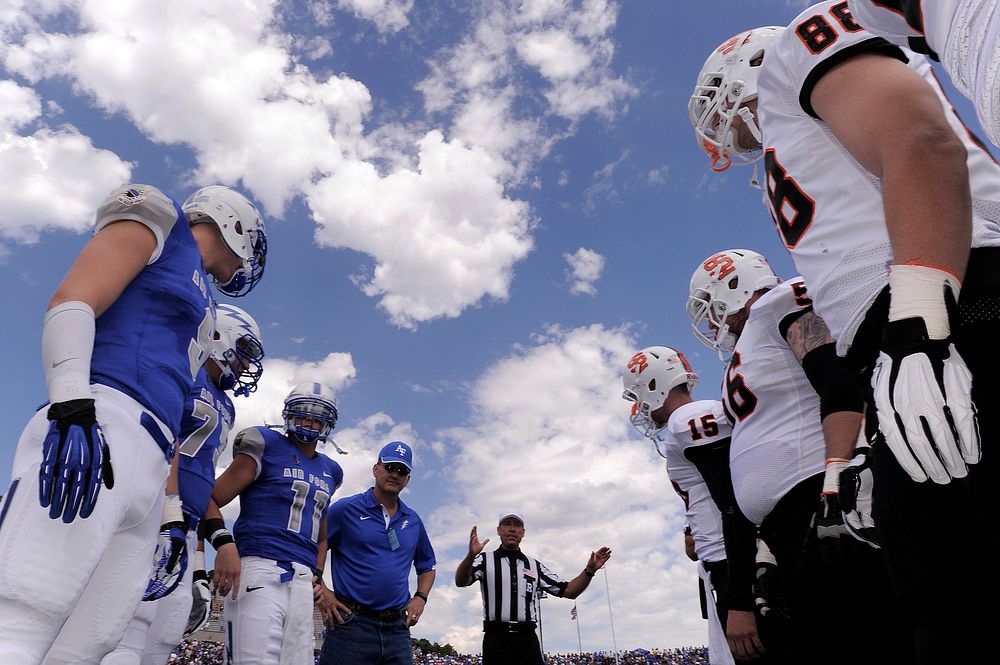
(364, 640)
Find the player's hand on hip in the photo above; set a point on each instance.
(76, 461)
(170, 559)
(923, 395)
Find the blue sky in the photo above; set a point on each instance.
(476, 211)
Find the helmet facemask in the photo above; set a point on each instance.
(237, 350)
(313, 402)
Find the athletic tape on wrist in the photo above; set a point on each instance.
(918, 292)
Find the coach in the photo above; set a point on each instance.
(374, 539)
(510, 581)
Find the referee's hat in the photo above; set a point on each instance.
(511, 512)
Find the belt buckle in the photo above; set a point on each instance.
(513, 627)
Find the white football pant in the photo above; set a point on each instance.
(158, 625)
(718, 645)
(69, 590)
(273, 623)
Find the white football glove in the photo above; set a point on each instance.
(922, 386)
(855, 491)
(201, 595)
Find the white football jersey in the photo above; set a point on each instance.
(777, 436)
(692, 425)
(827, 208)
(899, 20)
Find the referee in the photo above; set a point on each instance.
(510, 580)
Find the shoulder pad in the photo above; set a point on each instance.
(141, 203)
(250, 442)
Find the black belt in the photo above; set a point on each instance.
(382, 615)
(509, 626)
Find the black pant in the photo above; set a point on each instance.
(939, 540)
(840, 601)
(504, 648)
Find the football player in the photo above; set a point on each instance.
(234, 365)
(891, 212)
(963, 35)
(658, 382)
(123, 339)
(284, 486)
(796, 414)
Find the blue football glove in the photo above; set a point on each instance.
(170, 559)
(76, 461)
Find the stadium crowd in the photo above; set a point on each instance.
(213, 653)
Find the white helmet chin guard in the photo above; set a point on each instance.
(648, 378)
(726, 82)
(242, 230)
(237, 349)
(312, 402)
(721, 286)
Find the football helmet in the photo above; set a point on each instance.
(721, 286)
(648, 377)
(242, 230)
(314, 402)
(726, 82)
(237, 345)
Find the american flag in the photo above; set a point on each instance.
(572, 613)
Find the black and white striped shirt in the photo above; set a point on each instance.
(510, 581)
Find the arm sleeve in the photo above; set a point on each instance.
(144, 204)
(837, 387)
(739, 533)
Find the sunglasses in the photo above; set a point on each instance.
(400, 469)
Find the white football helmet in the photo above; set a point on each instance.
(721, 286)
(237, 349)
(648, 377)
(242, 230)
(314, 402)
(726, 82)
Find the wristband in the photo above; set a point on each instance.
(216, 533)
(421, 595)
(588, 573)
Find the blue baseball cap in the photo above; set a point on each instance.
(396, 451)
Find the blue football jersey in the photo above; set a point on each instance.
(205, 428)
(280, 511)
(152, 341)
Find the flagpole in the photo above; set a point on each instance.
(576, 616)
(541, 638)
(611, 616)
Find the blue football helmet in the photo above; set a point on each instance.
(242, 230)
(237, 350)
(313, 402)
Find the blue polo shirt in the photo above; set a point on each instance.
(371, 562)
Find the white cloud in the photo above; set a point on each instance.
(564, 455)
(387, 15)
(446, 222)
(444, 231)
(51, 178)
(585, 268)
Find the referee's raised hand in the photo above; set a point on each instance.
(598, 559)
(475, 546)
